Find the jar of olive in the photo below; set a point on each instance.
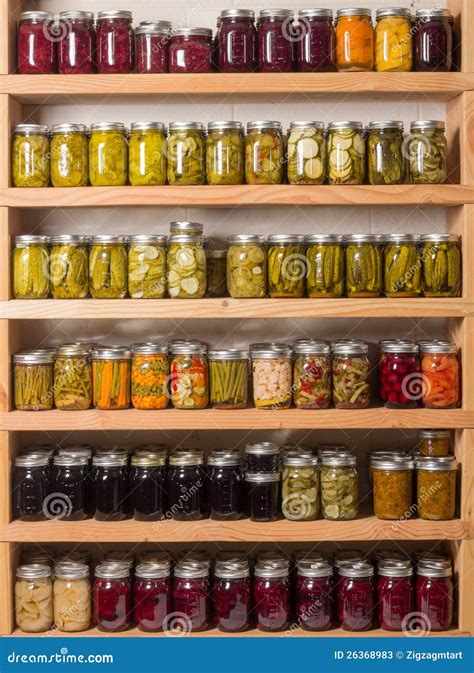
(216, 273)
(300, 487)
(72, 378)
(436, 487)
(264, 153)
(147, 266)
(427, 153)
(441, 273)
(186, 154)
(339, 487)
(30, 156)
(325, 266)
(108, 155)
(392, 487)
(402, 265)
(434, 442)
(69, 155)
(346, 153)
(385, 161)
(247, 266)
(108, 267)
(33, 380)
(147, 154)
(225, 153)
(31, 267)
(186, 267)
(69, 266)
(286, 265)
(363, 266)
(306, 153)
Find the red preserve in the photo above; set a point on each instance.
(115, 42)
(191, 595)
(434, 593)
(36, 43)
(236, 40)
(112, 597)
(191, 50)
(400, 378)
(152, 596)
(271, 594)
(395, 594)
(355, 596)
(76, 45)
(315, 41)
(231, 595)
(152, 46)
(314, 595)
(275, 40)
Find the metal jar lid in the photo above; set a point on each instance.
(433, 14)
(68, 128)
(392, 11)
(349, 348)
(190, 32)
(33, 571)
(399, 347)
(401, 238)
(338, 460)
(110, 460)
(186, 227)
(436, 463)
(386, 454)
(112, 571)
(302, 125)
(427, 569)
(38, 357)
(269, 571)
(262, 449)
(69, 570)
(237, 14)
(216, 254)
(69, 239)
(185, 347)
(108, 126)
(296, 446)
(331, 449)
(70, 460)
(311, 347)
(313, 13)
(275, 14)
(232, 569)
(23, 241)
(439, 346)
(186, 238)
(356, 570)
(153, 28)
(149, 349)
(36, 15)
(262, 477)
(389, 568)
(362, 238)
(264, 124)
(72, 350)
(148, 460)
(296, 459)
(339, 126)
(439, 238)
(76, 14)
(391, 124)
(279, 239)
(271, 350)
(324, 238)
(150, 570)
(115, 14)
(76, 451)
(31, 129)
(224, 458)
(392, 464)
(112, 353)
(428, 124)
(32, 460)
(186, 126)
(186, 457)
(222, 125)
(191, 569)
(105, 239)
(148, 126)
(239, 239)
(147, 239)
(353, 11)
(229, 354)
(310, 568)
(435, 434)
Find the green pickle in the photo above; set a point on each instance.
(225, 153)
(363, 266)
(147, 267)
(229, 372)
(186, 154)
(33, 380)
(69, 155)
(147, 154)
(108, 155)
(300, 487)
(31, 156)
(339, 487)
(216, 273)
(247, 266)
(402, 266)
(346, 153)
(108, 267)
(325, 266)
(72, 378)
(286, 265)
(186, 267)
(31, 267)
(306, 153)
(427, 153)
(385, 161)
(69, 267)
(441, 255)
(264, 153)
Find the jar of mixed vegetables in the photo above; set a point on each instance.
(111, 377)
(400, 378)
(229, 378)
(33, 380)
(385, 159)
(30, 156)
(393, 487)
(402, 265)
(300, 487)
(216, 273)
(441, 255)
(346, 153)
(354, 39)
(31, 267)
(363, 266)
(108, 154)
(186, 267)
(186, 154)
(147, 154)
(436, 487)
(393, 40)
(72, 378)
(434, 442)
(149, 376)
(225, 153)
(286, 265)
(312, 374)
(350, 375)
(339, 487)
(306, 153)
(440, 368)
(108, 267)
(247, 266)
(272, 375)
(189, 375)
(69, 155)
(147, 266)
(69, 266)
(325, 265)
(264, 153)
(427, 153)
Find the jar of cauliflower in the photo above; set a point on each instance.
(272, 375)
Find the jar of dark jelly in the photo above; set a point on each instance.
(112, 597)
(148, 486)
(36, 43)
(316, 41)
(355, 596)
(433, 40)
(263, 490)
(271, 592)
(314, 596)
(236, 41)
(32, 486)
(115, 42)
(191, 595)
(275, 40)
(226, 485)
(152, 596)
(187, 485)
(262, 457)
(76, 44)
(71, 487)
(190, 50)
(110, 477)
(434, 593)
(232, 595)
(152, 46)
(395, 594)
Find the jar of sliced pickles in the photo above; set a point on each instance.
(346, 153)
(150, 375)
(312, 374)
(325, 266)
(393, 40)
(385, 159)
(350, 375)
(306, 153)
(339, 487)
(34, 598)
(441, 273)
(31, 267)
(216, 273)
(30, 156)
(147, 154)
(108, 154)
(402, 265)
(436, 487)
(72, 597)
(264, 153)
(354, 39)
(225, 153)
(300, 487)
(229, 372)
(440, 369)
(427, 151)
(147, 266)
(33, 380)
(247, 266)
(72, 378)
(434, 442)
(393, 487)
(272, 375)
(186, 267)
(108, 267)
(189, 375)
(111, 377)
(69, 266)
(69, 155)
(364, 266)
(286, 265)
(186, 154)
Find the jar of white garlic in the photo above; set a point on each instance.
(34, 598)
(272, 375)
(72, 597)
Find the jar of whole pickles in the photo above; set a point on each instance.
(225, 153)
(306, 153)
(272, 375)
(264, 153)
(286, 265)
(436, 487)
(111, 377)
(441, 273)
(31, 267)
(189, 375)
(69, 266)
(72, 378)
(440, 369)
(354, 39)
(324, 266)
(216, 273)
(385, 160)
(229, 378)
(33, 380)
(427, 151)
(149, 377)
(30, 156)
(350, 375)
(300, 487)
(434, 442)
(312, 374)
(69, 155)
(108, 267)
(393, 487)
(147, 154)
(339, 487)
(186, 267)
(393, 40)
(247, 266)
(364, 266)
(346, 153)
(187, 154)
(402, 265)
(108, 154)
(147, 266)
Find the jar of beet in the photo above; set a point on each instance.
(152, 46)
(112, 597)
(36, 40)
(152, 595)
(434, 594)
(115, 42)
(262, 457)
(355, 596)
(400, 378)
(191, 595)
(275, 40)
(110, 477)
(316, 41)
(314, 597)
(395, 594)
(148, 486)
(190, 50)
(187, 485)
(236, 40)
(271, 593)
(263, 489)
(232, 595)
(433, 40)
(226, 485)
(76, 45)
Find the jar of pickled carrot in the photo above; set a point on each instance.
(150, 373)
(440, 369)
(111, 377)
(354, 39)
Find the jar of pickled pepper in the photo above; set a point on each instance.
(427, 151)
(115, 42)
(402, 265)
(363, 266)
(186, 153)
(392, 487)
(147, 154)
(72, 378)
(108, 267)
(325, 266)
(441, 381)
(189, 375)
(152, 46)
(111, 377)
(436, 487)
(385, 159)
(225, 153)
(312, 374)
(149, 376)
(400, 378)
(31, 277)
(216, 273)
(434, 442)
(33, 380)
(147, 266)
(350, 375)
(354, 39)
(77, 43)
(264, 153)
(275, 45)
(36, 43)
(69, 155)
(306, 151)
(442, 267)
(393, 40)
(108, 155)
(346, 153)
(286, 265)
(30, 156)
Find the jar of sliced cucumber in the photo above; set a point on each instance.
(346, 153)
(306, 153)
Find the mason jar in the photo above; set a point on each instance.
(272, 375)
(225, 153)
(264, 153)
(286, 265)
(34, 598)
(346, 153)
(108, 154)
(427, 150)
(72, 597)
(306, 151)
(31, 157)
(186, 152)
(247, 266)
(31, 274)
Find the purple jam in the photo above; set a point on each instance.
(191, 50)
(316, 42)
(314, 602)
(236, 41)
(76, 46)
(434, 599)
(433, 41)
(36, 44)
(395, 601)
(231, 597)
(115, 42)
(272, 603)
(152, 602)
(275, 46)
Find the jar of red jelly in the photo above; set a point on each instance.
(395, 594)
(191, 595)
(152, 595)
(434, 593)
(275, 40)
(191, 50)
(433, 40)
(314, 596)
(112, 597)
(236, 40)
(115, 42)
(271, 593)
(76, 45)
(36, 43)
(231, 595)
(355, 596)
(315, 41)
(400, 379)
(152, 46)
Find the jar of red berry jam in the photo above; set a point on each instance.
(236, 40)
(271, 592)
(433, 40)
(191, 594)
(36, 46)
(394, 593)
(152, 595)
(152, 46)
(314, 597)
(355, 596)
(275, 40)
(231, 595)
(76, 45)
(115, 42)
(434, 593)
(400, 379)
(112, 597)
(190, 50)
(316, 41)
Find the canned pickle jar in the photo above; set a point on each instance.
(312, 375)
(286, 265)
(364, 266)
(186, 267)
(350, 375)
(393, 40)
(115, 42)
(147, 266)
(316, 41)
(36, 43)
(152, 46)
(108, 267)
(149, 376)
(77, 43)
(393, 487)
(189, 375)
(272, 375)
(72, 378)
(275, 46)
(225, 153)
(69, 155)
(339, 487)
(440, 368)
(427, 152)
(108, 154)
(436, 487)
(306, 151)
(354, 39)
(385, 158)
(325, 266)
(236, 40)
(247, 267)
(30, 156)
(186, 153)
(346, 153)
(442, 266)
(264, 153)
(229, 373)
(31, 277)
(111, 377)
(147, 153)
(300, 487)
(33, 380)
(216, 261)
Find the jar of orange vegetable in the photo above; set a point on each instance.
(150, 371)
(440, 368)
(189, 375)
(111, 377)
(354, 39)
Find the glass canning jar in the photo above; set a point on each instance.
(263, 495)
(190, 50)
(346, 153)
(184, 228)
(69, 266)
(147, 153)
(325, 266)
(34, 598)
(108, 267)
(77, 43)
(236, 41)
(434, 442)
(111, 377)
(271, 592)
(442, 266)
(150, 376)
(69, 155)
(152, 596)
(402, 265)
(31, 486)
(112, 597)
(216, 262)
(187, 485)
(314, 595)
(72, 378)
(147, 266)
(247, 266)
(350, 375)
(229, 372)
(148, 486)
(435, 594)
(115, 42)
(306, 152)
(31, 267)
(72, 597)
(36, 49)
(264, 153)
(436, 487)
(393, 40)
(108, 154)
(30, 151)
(355, 596)
(286, 265)
(393, 487)
(189, 375)
(339, 487)
(226, 485)
(275, 40)
(33, 380)
(395, 594)
(354, 39)
(111, 488)
(186, 151)
(300, 487)
(316, 41)
(441, 380)
(232, 595)
(70, 482)
(433, 40)
(364, 265)
(272, 365)
(385, 153)
(152, 43)
(427, 151)
(400, 379)
(225, 153)
(262, 457)
(191, 588)
(312, 374)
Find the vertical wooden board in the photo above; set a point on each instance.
(10, 446)
(463, 554)
(10, 115)
(9, 556)
(9, 344)
(461, 223)
(9, 227)
(9, 14)
(460, 136)
(463, 11)
(464, 452)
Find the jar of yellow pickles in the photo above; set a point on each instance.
(187, 154)
(393, 40)
(264, 153)
(69, 155)
(31, 277)
(147, 154)
(225, 153)
(30, 156)
(108, 154)
(354, 39)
